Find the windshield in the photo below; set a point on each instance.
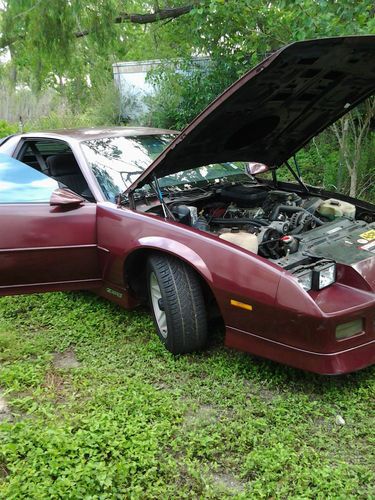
(204, 174)
(118, 161)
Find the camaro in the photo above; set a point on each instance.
(200, 221)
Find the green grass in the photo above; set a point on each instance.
(132, 421)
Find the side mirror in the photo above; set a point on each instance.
(254, 168)
(65, 198)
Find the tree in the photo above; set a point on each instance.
(56, 41)
(351, 132)
(237, 35)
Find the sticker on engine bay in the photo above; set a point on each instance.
(370, 247)
(368, 235)
(335, 229)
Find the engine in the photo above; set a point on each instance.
(304, 234)
(274, 219)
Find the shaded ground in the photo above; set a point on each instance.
(5, 413)
(92, 406)
(65, 360)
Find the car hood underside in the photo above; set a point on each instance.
(277, 107)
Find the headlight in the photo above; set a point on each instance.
(324, 275)
(304, 278)
(318, 277)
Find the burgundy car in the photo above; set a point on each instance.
(190, 223)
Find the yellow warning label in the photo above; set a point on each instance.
(368, 235)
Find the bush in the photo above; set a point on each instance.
(64, 118)
(49, 110)
(7, 128)
(184, 89)
(27, 105)
(104, 106)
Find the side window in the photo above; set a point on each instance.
(36, 152)
(20, 183)
(56, 159)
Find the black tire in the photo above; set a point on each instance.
(181, 302)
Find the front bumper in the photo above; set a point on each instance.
(333, 363)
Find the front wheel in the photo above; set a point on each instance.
(177, 304)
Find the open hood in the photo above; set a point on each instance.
(277, 107)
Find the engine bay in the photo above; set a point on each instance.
(293, 230)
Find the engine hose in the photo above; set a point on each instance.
(286, 208)
(266, 242)
(297, 229)
(238, 222)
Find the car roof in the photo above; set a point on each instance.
(82, 134)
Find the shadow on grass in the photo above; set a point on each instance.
(276, 376)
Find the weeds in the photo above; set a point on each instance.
(129, 420)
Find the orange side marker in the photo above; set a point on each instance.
(241, 305)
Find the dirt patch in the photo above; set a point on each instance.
(228, 483)
(4, 472)
(263, 393)
(55, 382)
(66, 360)
(202, 416)
(5, 413)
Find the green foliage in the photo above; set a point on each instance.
(236, 35)
(49, 58)
(104, 106)
(48, 110)
(319, 162)
(184, 89)
(46, 51)
(132, 421)
(58, 120)
(7, 128)
(321, 165)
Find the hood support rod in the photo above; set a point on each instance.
(297, 177)
(167, 213)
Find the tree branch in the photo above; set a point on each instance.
(23, 13)
(152, 17)
(123, 17)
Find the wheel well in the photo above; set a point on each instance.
(135, 277)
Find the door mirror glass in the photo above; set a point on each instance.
(65, 198)
(254, 168)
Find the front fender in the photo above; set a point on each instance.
(177, 249)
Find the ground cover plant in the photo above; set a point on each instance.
(92, 406)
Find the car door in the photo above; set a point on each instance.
(42, 246)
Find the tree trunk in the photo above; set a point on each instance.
(351, 132)
(353, 182)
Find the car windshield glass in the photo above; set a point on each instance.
(202, 175)
(118, 161)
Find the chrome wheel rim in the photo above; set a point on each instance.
(160, 316)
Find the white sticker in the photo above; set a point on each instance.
(362, 241)
(334, 230)
(370, 247)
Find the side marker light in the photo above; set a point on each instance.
(241, 305)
